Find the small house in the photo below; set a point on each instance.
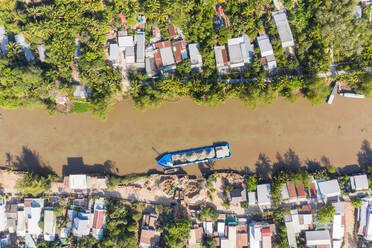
(77, 182)
(172, 32)
(195, 57)
(301, 194)
(156, 35)
(238, 195)
(99, 219)
(365, 219)
(21, 221)
(208, 228)
(81, 226)
(260, 234)
(179, 51)
(359, 182)
(125, 41)
(240, 51)
(358, 11)
(149, 237)
(139, 39)
(252, 198)
(150, 67)
(267, 52)
(196, 236)
(318, 238)
(221, 228)
(284, 30)
(25, 46)
(230, 240)
(329, 188)
(296, 223)
(114, 54)
(242, 233)
(163, 56)
(167, 58)
(4, 41)
(3, 219)
(126, 45)
(220, 54)
(50, 222)
(11, 210)
(34, 216)
(263, 194)
(42, 52)
(81, 91)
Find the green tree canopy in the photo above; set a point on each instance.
(178, 233)
(325, 214)
(34, 185)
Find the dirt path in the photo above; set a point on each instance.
(130, 140)
(349, 238)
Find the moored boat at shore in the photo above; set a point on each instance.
(194, 156)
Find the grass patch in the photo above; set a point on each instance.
(80, 107)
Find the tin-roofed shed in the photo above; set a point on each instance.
(284, 29)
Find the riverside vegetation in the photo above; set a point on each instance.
(318, 26)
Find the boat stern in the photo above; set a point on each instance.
(166, 161)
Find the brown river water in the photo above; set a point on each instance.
(132, 140)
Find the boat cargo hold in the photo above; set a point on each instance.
(194, 156)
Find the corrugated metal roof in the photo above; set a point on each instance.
(140, 41)
(167, 56)
(78, 181)
(265, 45)
(284, 30)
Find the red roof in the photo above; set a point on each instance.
(241, 240)
(224, 56)
(98, 218)
(163, 44)
(291, 190)
(301, 191)
(266, 232)
(312, 189)
(220, 11)
(172, 32)
(122, 19)
(177, 48)
(157, 59)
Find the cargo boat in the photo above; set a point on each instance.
(194, 156)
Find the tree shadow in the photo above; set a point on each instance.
(289, 160)
(365, 155)
(263, 166)
(206, 168)
(75, 165)
(29, 161)
(313, 165)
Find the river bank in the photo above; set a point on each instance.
(130, 141)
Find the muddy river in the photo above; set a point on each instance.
(130, 141)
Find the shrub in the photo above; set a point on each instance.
(251, 183)
(178, 233)
(208, 213)
(229, 188)
(357, 202)
(325, 214)
(244, 205)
